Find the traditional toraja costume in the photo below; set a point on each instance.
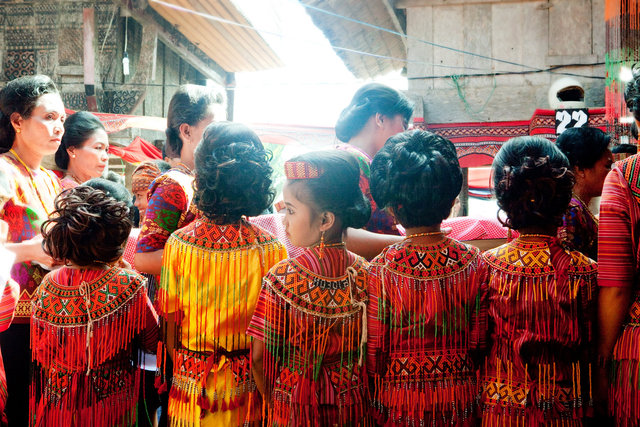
(210, 282)
(84, 327)
(540, 309)
(579, 230)
(425, 321)
(311, 318)
(32, 193)
(381, 221)
(169, 208)
(8, 302)
(619, 264)
(68, 182)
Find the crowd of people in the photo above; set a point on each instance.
(353, 307)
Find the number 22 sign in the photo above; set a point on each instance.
(571, 118)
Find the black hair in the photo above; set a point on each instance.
(20, 96)
(113, 189)
(632, 92)
(232, 173)
(78, 128)
(370, 99)
(83, 216)
(337, 189)
(532, 182)
(417, 174)
(625, 149)
(190, 105)
(583, 146)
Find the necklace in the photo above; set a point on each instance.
(33, 184)
(330, 245)
(429, 233)
(586, 207)
(544, 236)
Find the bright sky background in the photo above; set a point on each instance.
(313, 86)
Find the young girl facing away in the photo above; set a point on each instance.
(424, 292)
(541, 297)
(89, 317)
(309, 326)
(211, 276)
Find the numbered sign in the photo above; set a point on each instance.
(571, 118)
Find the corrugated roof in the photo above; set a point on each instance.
(351, 35)
(234, 48)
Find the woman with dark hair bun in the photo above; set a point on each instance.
(590, 159)
(31, 126)
(89, 317)
(541, 297)
(375, 113)
(309, 326)
(191, 110)
(619, 296)
(211, 276)
(84, 151)
(419, 286)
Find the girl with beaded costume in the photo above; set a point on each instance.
(211, 276)
(309, 327)
(540, 297)
(425, 314)
(31, 126)
(590, 159)
(89, 317)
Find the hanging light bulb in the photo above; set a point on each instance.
(125, 64)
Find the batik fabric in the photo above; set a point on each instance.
(618, 264)
(311, 317)
(169, 208)
(85, 328)
(209, 287)
(540, 311)
(425, 323)
(579, 230)
(31, 201)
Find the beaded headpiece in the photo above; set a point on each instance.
(301, 170)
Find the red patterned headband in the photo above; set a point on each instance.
(301, 170)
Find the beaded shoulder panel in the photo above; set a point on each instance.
(316, 294)
(444, 259)
(533, 259)
(205, 234)
(65, 306)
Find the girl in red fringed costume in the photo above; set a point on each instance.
(540, 298)
(309, 327)
(619, 291)
(211, 276)
(425, 316)
(88, 317)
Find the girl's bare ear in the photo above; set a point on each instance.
(328, 220)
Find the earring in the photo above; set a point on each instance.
(322, 245)
(73, 156)
(18, 130)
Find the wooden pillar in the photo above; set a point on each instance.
(464, 193)
(89, 59)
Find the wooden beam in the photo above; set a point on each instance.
(396, 22)
(89, 58)
(146, 17)
(405, 4)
